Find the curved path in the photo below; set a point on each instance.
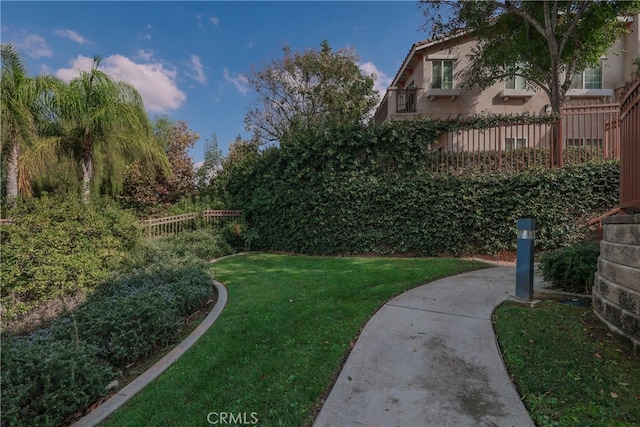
(122, 396)
(429, 358)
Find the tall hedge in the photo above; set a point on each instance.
(367, 189)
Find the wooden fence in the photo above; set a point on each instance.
(583, 133)
(188, 222)
(630, 148)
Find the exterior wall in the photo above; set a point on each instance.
(631, 46)
(618, 68)
(616, 290)
(466, 101)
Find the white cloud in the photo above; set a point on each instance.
(240, 81)
(81, 63)
(145, 55)
(45, 69)
(32, 45)
(72, 35)
(155, 83)
(146, 35)
(198, 70)
(214, 20)
(381, 80)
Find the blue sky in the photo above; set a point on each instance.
(189, 60)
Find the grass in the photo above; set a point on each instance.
(568, 367)
(279, 344)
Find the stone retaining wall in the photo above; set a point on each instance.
(616, 290)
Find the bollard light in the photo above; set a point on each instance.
(524, 258)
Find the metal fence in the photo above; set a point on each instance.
(583, 133)
(630, 148)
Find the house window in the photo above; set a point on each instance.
(574, 142)
(515, 143)
(591, 78)
(516, 82)
(442, 74)
(593, 142)
(581, 142)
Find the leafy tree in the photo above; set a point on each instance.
(236, 168)
(181, 183)
(147, 186)
(545, 42)
(211, 164)
(303, 89)
(103, 120)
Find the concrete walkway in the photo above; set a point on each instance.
(429, 358)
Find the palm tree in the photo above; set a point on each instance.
(97, 115)
(27, 118)
(18, 112)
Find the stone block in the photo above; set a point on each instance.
(627, 234)
(626, 298)
(619, 274)
(628, 255)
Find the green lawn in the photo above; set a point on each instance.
(279, 344)
(569, 368)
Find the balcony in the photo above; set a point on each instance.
(406, 100)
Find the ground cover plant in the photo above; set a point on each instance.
(568, 367)
(279, 344)
(49, 376)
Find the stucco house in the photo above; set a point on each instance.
(428, 84)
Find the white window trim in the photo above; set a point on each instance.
(453, 67)
(591, 93)
(434, 93)
(582, 74)
(520, 142)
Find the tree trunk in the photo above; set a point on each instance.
(87, 167)
(556, 100)
(12, 174)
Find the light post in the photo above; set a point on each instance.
(524, 258)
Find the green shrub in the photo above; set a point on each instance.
(572, 268)
(417, 211)
(57, 246)
(204, 244)
(135, 314)
(127, 328)
(52, 374)
(355, 189)
(45, 381)
(188, 280)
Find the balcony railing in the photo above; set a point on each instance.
(406, 100)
